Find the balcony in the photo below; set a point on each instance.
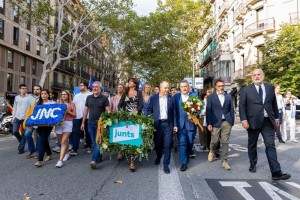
(66, 68)
(257, 28)
(251, 2)
(206, 58)
(239, 40)
(239, 75)
(295, 18)
(205, 41)
(58, 85)
(224, 29)
(224, 9)
(240, 11)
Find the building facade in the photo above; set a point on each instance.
(22, 54)
(239, 31)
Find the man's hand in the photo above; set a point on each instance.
(277, 122)
(175, 129)
(245, 124)
(82, 127)
(210, 128)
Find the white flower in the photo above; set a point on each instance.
(144, 126)
(104, 146)
(193, 109)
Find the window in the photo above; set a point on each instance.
(1, 29)
(33, 83)
(10, 58)
(9, 82)
(23, 63)
(33, 67)
(38, 48)
(27, 41)
(2, 6)
(22, 80)
(16, 13)
(55, 77)
(16, 36)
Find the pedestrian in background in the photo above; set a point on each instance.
(156, 89)
(146, 97)
(114, 101)
(220, 119)
(282, 113)
(290, 102)
(259, 114)
(64, 131)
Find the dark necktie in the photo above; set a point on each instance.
(260, 92)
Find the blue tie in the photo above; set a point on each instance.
(260, 92)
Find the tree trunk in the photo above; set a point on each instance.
(43, 78)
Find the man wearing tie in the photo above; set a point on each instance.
(220, 119)
(259, 114)
(161, 106)
(185, 128)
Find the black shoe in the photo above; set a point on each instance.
(157, 161)
(276, 176)
(188, 160)
(281, 141)
(252, 168)
(183, 167)
(166, 170)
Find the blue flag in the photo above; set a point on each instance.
(91, 82)
(140, 85)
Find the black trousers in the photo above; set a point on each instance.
(268, 134)
(44, 132)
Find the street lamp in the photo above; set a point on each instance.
(193, 56)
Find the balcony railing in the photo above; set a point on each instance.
(224, 9)
(267, 25)
(252, 2)
(205, 41)
(239, 75)
(56, 84)
(295, 18)
(240, 11)
(224, 29)
(239, 40)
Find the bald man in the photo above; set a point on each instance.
(259, 114)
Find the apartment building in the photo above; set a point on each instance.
(239, 31)
(22, 54)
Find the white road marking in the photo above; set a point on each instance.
(239, 186)
(271, 190)
(169, 184)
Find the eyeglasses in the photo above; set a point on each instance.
(220, 86)
(63, 94)
(81, 85)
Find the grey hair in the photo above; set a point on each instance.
(184, 81)
(260, 69)
(161, 84)
(98, 83)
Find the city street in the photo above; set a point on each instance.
(202, 180)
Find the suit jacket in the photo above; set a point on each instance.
(214, 110)
(251, 106)
(180, 117)
(154, 108)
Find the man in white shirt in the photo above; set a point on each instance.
(281, 110)
(79, 101)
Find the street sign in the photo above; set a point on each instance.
(190, 80)
(199, 83)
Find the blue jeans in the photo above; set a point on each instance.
(21, 139)
(185, 144)
(28, 136)
(76, 134)
(93, 133)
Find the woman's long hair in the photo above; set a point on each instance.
(136, 85)
(40, 101)
(144, 92)
(69, 97)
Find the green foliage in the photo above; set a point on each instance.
(281, 59)
(147, 133)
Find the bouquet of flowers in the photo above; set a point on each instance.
(193, 107)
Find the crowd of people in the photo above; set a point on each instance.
(262, 110)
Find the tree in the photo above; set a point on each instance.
(154, 54)
(281, 58)
(94, 21)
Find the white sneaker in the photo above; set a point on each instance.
(56, 150)
(67, 156)
(59, 164)
(294, 140)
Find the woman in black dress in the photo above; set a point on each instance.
(132, 102)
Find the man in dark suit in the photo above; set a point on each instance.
(259, 114)
(185, 128)
(220, 119)
(161, 106)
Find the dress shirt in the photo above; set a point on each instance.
(222, 100)
(163, 106)
(184, 97)
(280, 103)
(21, 104)
(79, 101)
(264, 96)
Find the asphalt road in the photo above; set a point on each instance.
(202, 180)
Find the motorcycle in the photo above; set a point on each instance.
(6, 122)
